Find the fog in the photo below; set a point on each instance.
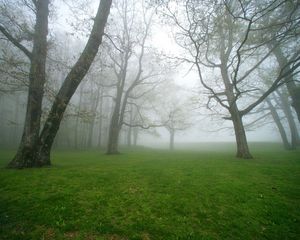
(167, 74)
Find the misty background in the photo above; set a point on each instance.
(171, 86)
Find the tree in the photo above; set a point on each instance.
(218, 37)
(37, 78)
(293, 89)
(280, 111)
(128, 59)
(34, 149)
(177, 121)
(173, 110)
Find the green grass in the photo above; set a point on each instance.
(151, 194)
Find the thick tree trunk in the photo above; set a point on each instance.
(37, 77)
(113, 140)
(71, 83)
(240, 134)
(279, 125)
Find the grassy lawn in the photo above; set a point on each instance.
(154, 194)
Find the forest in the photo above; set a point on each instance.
(149, 119)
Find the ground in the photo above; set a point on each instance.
(154, 194)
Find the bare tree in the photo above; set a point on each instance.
(129, 49)
(219, 39)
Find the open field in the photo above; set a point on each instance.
(154, 194)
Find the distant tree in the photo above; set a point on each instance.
(129, 62)
(280, 109)
(177, 121)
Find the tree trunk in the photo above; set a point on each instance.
(116, 119)
(295, 94)
(129, 132)
(113, 140)
(25, 154)
(15, 135)
(135, 135)
(240, 135)
(114, 129)
(94, 107)
(279, 125)
(100, 120)
(292, 125)
(293, 89)
(172, 137)
(78, 118)
(71, 83)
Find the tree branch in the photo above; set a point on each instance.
(15, 42)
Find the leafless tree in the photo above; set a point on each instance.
(129, 57)
(218, 35)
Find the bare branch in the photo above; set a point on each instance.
(15, 42)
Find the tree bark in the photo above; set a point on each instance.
(71, 83)
(240, 134)
(113, 139)
(37, 76)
